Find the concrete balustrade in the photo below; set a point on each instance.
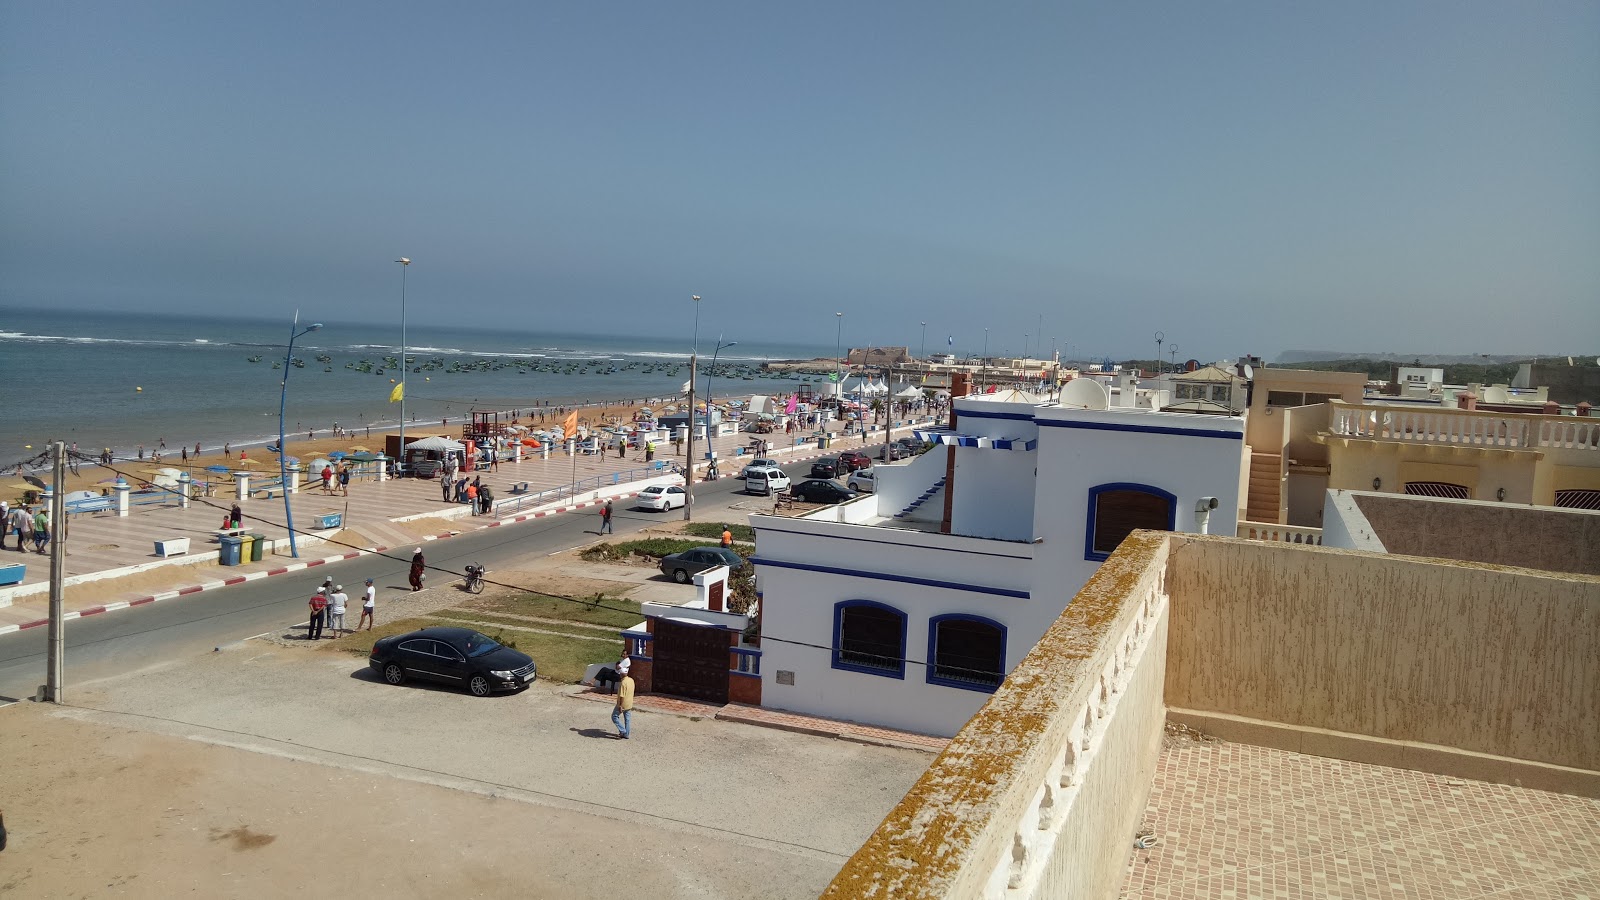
(1288, 534)
(1462, 427)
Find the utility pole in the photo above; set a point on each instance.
(688, 468)
(55, 653)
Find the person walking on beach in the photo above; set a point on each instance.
(344, 480)
(319, 602)
(605, 519)
(336, 605)
(622, 714)
(184, 450)
(21, 525)
(41, 530)
(227, 451)
(369, 607)
(418, 568)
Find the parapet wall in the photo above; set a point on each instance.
(1040, 794)
(1479, 658)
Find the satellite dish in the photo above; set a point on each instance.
(1086, 393)
(1249, 373)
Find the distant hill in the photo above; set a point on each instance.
(1289, 357)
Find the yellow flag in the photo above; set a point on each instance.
(398, 394)
(569, 425)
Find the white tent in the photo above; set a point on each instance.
(907, 392)
(435, 443)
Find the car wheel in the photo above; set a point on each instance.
(479, 685)
(394, 674)
(681, 576)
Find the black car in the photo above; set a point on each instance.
(820, 491)
(454, 656)
(895, 452)
(827, 467)
(689, 563)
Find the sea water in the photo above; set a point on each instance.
(120, 380)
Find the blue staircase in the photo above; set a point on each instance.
(921, 499)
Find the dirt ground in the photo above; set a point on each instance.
(100, 811)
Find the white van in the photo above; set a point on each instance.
(766, 480)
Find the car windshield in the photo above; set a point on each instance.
(651, 490)
(478, 645)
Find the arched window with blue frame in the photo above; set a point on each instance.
(967, 652)
(869, 637)
(1118, 509)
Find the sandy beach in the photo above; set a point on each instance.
(93, 477)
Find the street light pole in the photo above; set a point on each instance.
(924, 354)
(405, 263)
(711, 373)
(688, 473)
(283, 451)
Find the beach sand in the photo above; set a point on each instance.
(90, 477)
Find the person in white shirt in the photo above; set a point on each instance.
(336, 605)
(369, 607)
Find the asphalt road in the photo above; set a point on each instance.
(132, 639)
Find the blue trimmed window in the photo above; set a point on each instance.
(967, 652)
(869, 637)
(1117, 510)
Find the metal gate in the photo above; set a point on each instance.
(690, 661)
(1438, 489)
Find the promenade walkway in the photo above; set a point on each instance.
(376, 516)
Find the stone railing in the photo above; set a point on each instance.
(1041, 793)
(1462, 427)
(1288, 534)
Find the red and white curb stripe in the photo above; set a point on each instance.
(296, 567)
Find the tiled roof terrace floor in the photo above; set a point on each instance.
(1235, 820)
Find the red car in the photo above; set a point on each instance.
(853, 460)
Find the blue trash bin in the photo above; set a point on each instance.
(231, 546)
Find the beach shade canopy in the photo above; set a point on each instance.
(363, 456)
(908, 392)
(317, 466)
(165, 470)
(360, 449)
(337, 454)
(221, 470)
(435, 443)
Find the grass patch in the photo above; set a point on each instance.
(714, 530)
(603, 611)
(560, 659)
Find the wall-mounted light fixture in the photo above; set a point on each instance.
(1377, 484)
(1500, 494)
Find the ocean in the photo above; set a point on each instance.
(120, 380)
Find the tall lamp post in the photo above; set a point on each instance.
(405, 263)
(711, 373)
(924, 353)
(688, 468)
(283, 451)
(838, 362)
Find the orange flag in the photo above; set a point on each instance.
(569, 425)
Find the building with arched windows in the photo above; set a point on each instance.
(907, 608)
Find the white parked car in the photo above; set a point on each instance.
(661, 497)
(862, 480)
(765, 481)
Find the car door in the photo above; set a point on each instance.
(418, 658)
(450, 663)
(675, 497)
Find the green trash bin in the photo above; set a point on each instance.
(230, 550)
(258, 542)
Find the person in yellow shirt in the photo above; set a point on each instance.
(622, 715)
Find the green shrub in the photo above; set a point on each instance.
(714, 530)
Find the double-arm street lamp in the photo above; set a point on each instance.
(283, 451)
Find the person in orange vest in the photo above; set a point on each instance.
(727, 537)
(472, 497)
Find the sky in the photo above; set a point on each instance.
(1246, 178)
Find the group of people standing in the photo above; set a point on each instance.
(328, 610)
(342, 476)
(28, 526)
(460, 490)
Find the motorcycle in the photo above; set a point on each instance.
(475, 578)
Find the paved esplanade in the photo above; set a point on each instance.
(103, 542)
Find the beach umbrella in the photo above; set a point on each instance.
(248, 462)
(337, 455)
(218, 469)
(363, 457)
(360, 449)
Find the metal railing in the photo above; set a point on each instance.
(515, 504)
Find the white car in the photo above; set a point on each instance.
(661, 497)
(863, 480)
(758, 463)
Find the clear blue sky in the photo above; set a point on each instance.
(1246, 177)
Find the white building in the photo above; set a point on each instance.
(906, 608)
